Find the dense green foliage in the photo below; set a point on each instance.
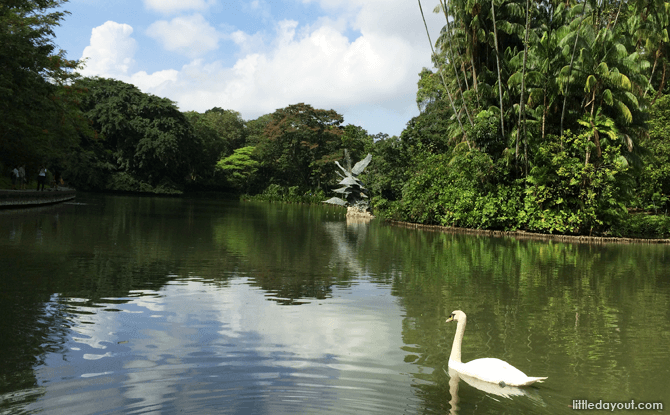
(39, 121)
(547, 117)
(543, 117)
(654, 181)
(148, 143)
(239, 167)
(300, 145)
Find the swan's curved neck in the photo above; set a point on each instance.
(458, 339)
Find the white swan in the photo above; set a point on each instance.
(487, 369)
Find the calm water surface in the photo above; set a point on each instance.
(119, 304)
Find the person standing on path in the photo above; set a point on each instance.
(41, 178)
(22, 177)
(15, 177)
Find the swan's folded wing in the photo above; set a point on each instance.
(497, 371)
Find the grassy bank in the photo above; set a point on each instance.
(293, 194)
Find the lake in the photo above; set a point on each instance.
(123, 304)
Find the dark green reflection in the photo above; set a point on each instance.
(595, 319)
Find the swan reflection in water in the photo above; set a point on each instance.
(489, 388)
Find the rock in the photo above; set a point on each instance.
(354, 213)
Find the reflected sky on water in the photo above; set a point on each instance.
(120, 304)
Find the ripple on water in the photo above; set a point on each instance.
(191, 349)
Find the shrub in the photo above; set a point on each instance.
(565, 195)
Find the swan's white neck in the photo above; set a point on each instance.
(458, 339)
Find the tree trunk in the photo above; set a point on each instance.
(593, 128)
(660, 88)
(544, 113)
(522, 106)
(495, 38)
(465, 76)
(652, 73)
(572, 59)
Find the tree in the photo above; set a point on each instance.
(430, 89)
(148, 140)
(654, 180)
(35, 111)
(218, 133)
(301, 143)
(256, 129)
(386, 176)
(229, 125)
(357, 141)
(239, 168)
(434, 57)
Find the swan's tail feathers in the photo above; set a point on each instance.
(536, 379)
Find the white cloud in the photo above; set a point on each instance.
(322, 68)
(174, 6)
(111, 50)
(154, 80)
(191, 36)
(111, 55)
(315, 63)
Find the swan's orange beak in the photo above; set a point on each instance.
(450, 319)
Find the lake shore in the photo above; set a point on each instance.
(10, 199)
(533, 236)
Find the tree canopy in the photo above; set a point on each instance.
(543, 116)
(544, 103)
(39, 117)
(301, 143)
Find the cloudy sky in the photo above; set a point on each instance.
(358, 57)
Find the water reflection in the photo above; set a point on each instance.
(161, 350)
(347, 238)
(171, 305)
(507, 392)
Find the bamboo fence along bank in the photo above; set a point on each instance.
(531, 235)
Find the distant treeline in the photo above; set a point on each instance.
(549, 117)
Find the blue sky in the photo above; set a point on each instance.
(358, 57)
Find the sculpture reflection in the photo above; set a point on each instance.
(490, 388)
(346, 237)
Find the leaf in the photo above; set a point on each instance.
(344, 190)
(602, 69)
(514, 80)
(349, 181)
(590, 82)
(343, 169)
(625, 111)
(361, 165)
(607, 97)
(336, 201)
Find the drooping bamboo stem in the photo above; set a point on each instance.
(495, 38)
(522, 112)
(572, 59)
(451, 100)
(453, 61)
(525, 58)
(652, 74)
(660, 88)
